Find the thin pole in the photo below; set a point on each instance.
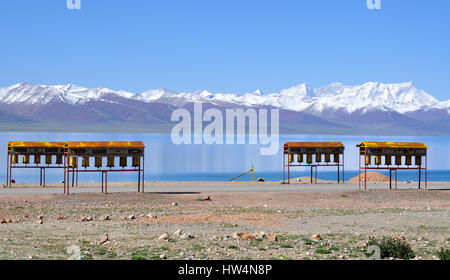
(143, 172)
(338, 173)
(253, 173)
(106, 182)
(359, 170)
(139, 179)
(44, 177)
(7, 167)
(10, 170)
(365, 171)
(420, 171)
(390, 178)
(289, 171)
(68, 172)
(316, 175)
(284, 165)
(73, 177)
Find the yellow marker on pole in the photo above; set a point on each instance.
(253, 173)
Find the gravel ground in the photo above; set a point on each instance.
(44, 224)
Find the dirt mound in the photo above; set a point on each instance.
(372, 177)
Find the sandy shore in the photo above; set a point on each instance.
(214, 187)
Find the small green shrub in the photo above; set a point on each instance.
(323, 251)
(392, 248)
(444, 254)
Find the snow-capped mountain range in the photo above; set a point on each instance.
(336, 107)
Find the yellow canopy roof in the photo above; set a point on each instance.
(314, 144)
(407, 145)
(106, 144)
(17, 144)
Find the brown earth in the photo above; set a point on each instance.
(372, 177)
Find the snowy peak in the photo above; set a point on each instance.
(400, 97)
(301, 91)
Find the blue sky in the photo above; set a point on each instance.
(225, 46)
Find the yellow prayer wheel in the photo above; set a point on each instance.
(309, 158)
(59, 159)
(368, 160)
(388, 160)
(26, 159)
(398, 160)
(136, 161)
(418, 160)
(85, 162)
(408, 160)
(327, 158)
(37, 159)
(336, 158)
(73, 162)
(123, 162)
(110, 162)
(15, 159)
(378, 159)
(318, 157)
(98, 162)
(291, 158)
(299, 158)
(48, 159)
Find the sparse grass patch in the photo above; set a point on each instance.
(443, 254)
(322, 251)
(392, 248)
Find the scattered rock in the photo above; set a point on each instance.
(104, 218)
(59, 217)
(178, 232)
(3, 221)
(260, 179)
(40, 217)
(272, 237)
(260, 235)
(227, 237)
(174, 204)
(247, 236)
(164, 236)
(122, 218)
(237, 235)
(103, 239)
(39, 222)
(131, 217)
(151, 216)
(162, 256)
(186, 236)
(316, 237)
(400, 237)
